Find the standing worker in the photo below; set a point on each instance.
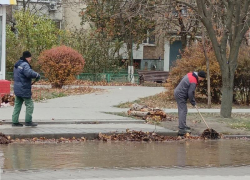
(23, 75)
(186, 90)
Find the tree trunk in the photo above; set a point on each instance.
(130, 58)
(183, 33)
(208, 69)
(183, 41)
(208, 85)
(227, 91)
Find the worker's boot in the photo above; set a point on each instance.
(184, 131)
(30, 124)
(17, 125)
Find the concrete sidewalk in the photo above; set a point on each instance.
(63, 116)
(85, 107)
(91, 107)
(83, 115)
(89, 131)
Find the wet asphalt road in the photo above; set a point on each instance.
(227, 173)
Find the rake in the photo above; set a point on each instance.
(208, 133)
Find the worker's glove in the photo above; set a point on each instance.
(38, 77)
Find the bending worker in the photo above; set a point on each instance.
(186, 90)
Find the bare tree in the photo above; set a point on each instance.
(226, 23)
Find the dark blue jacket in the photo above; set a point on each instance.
(23, 75)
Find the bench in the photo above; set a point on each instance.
(152, 76)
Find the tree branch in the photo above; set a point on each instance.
(188, 5)
(237, 25)
(228, 24)
(225, 3)
(210, 30)
(202, 5)
(245, 24)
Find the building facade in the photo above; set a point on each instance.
(149, 56)
(158, 57)
(3, 5)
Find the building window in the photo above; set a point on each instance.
(180, 9)
(150, 37)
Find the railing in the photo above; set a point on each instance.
(108, 77)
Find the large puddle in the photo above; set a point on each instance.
(125, 155)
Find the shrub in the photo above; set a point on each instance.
(242, 77)
(193, 60)
(60, 65)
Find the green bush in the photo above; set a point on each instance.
(31, 32)
(100, 53)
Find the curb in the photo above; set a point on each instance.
(83, 122)
(88, 136)
(236, 136)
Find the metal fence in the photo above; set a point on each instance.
(108, 77)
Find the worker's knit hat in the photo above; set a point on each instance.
(26, 54)
(202, 74)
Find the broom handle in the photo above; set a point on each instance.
(202, 117)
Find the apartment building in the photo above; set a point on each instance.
(149, 56)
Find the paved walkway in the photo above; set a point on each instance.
(82, 115)
(87, 109)
(90, 107)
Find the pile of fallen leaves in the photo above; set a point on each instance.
(148, 113)
(7, 99)
(91, 83)
(143, 136)
(102, 83)
(39, 94)
(138, 136)
(210, 134)
(4, 139)
(46, 140)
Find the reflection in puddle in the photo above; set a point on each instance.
(125, 154)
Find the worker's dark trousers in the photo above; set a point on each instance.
(182, 112)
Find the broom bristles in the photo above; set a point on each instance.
(210, 134)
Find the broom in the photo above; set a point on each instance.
(208, 133)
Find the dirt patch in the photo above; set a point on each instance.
(161, 100)
(41, 94)
(90, 83)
